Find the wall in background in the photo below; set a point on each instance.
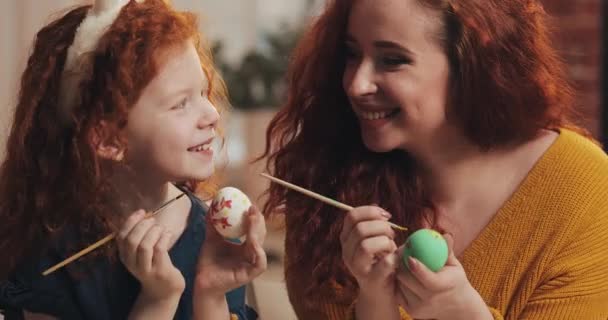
(578, 26)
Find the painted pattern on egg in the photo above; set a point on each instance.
(216, 207)
(227, 211)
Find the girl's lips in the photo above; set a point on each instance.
(206, 145)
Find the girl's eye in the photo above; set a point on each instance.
(181, 105)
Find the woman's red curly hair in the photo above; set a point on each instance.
(506, 82)
(52, 178)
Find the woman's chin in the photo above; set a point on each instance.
(379, 146)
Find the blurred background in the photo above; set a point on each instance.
(252, 40)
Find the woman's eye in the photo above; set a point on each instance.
(350, 53)
(395, 61)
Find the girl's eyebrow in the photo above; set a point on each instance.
(167, 98)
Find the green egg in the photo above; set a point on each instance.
(427, 246)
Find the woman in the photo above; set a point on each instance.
(452, 115)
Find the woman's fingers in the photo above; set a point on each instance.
(408, 280)
(385, 267)
(362, 231)
(359, 214)
(369, 252)
(409, 299)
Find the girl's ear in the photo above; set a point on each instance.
(106, 143)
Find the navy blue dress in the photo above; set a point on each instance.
(107, 291)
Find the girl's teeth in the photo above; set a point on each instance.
(204, 147)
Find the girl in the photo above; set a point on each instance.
(447, 114)
(116, 114)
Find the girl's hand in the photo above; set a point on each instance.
(143, 248)
(368, 249)
(446, 294)
(223, 265)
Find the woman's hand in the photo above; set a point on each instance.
(368, 247)
(143, 247)
(224, 265)
(368, 251)
(446, 294)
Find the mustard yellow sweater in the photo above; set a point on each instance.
(543, 256)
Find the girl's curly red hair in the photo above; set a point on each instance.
(507, 83)
(52, 178)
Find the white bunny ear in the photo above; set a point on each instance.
(101, 16)
(101, 6)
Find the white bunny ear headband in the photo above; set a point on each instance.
(99, 18)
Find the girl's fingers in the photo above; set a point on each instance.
(160, 258)
(133, 219)
(256, 225)
(211, 233)
(133, 239)
(145, 250)
(257, 257)
(256, 233)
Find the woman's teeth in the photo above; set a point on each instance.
(377, 115)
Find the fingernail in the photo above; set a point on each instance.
(412, 263)
(385, 214)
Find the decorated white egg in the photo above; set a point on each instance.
(227, 212)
